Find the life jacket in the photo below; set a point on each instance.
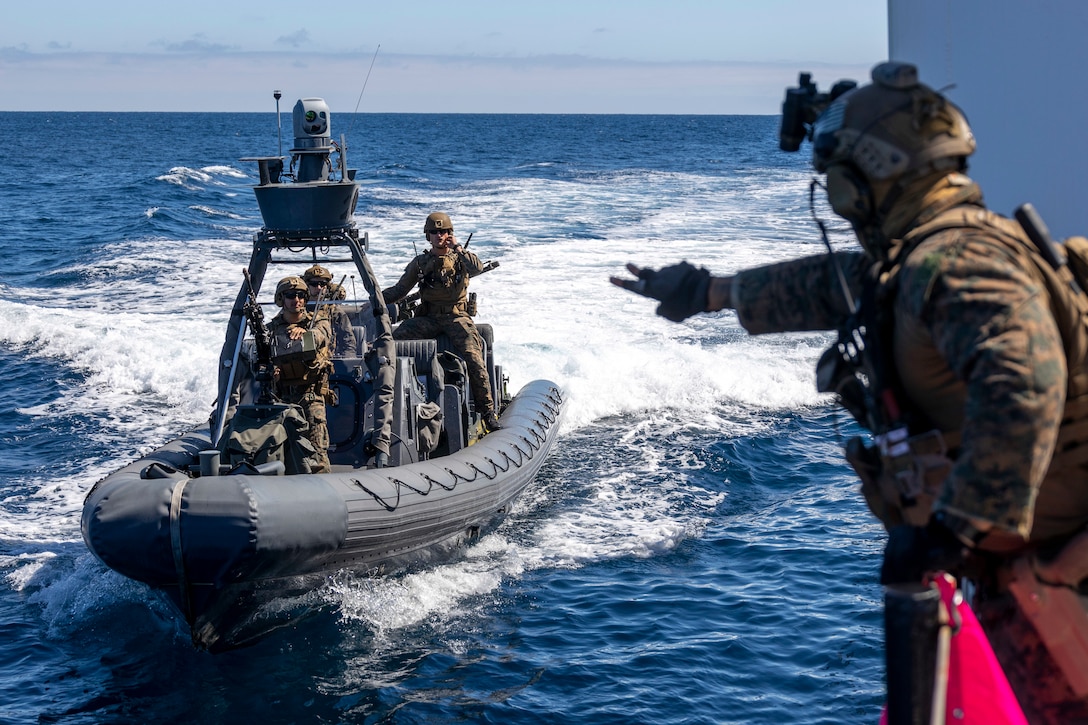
(902, 474)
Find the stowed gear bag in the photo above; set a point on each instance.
(454, 369)
(261, 433)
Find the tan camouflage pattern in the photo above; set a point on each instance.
(983, 334)
(344, 342)
(991, 362)
(798, 296)
(976, 347)
(446, 290)
(443, 309)
(306, 384)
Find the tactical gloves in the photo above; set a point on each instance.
(682, 289)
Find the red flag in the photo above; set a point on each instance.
(977, 691)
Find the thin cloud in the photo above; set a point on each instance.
(197, 44)
(239, 81)
(296, 39)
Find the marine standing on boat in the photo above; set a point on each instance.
(301, 374)
(321, 288)
(442, 273)
(965, 355)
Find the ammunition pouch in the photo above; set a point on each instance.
(836, 374)
(901, 476)
(286, 350)
(292, 372)
(865, 460)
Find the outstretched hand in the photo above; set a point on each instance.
(681, 288)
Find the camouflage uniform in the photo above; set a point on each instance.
(307, 383)
(977, 347)
(966, 359)
(343, 343)
(443, 291)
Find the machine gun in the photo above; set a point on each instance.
(262, 341)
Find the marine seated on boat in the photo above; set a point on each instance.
(321, 288)
(442, 273)
(301, 356)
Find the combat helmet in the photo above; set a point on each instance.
(437, 222)
(873, 141)
(286, 285)
(317, 272)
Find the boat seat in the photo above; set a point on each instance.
(346, 419)
(361, 339)
(487, 336)
(368, 330)
(424, 354)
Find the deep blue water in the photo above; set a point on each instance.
(694, 552)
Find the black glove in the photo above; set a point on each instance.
(914, 550)
(682, 289)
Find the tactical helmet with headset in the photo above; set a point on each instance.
(875, 140)
(437, 222)
(287, 284)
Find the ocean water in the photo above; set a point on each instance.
(695, 550)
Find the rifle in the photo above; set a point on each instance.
(317, 305)
(487, 266)
(262, 341)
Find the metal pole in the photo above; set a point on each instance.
(279, 130)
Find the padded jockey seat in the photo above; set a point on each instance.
(425, 355)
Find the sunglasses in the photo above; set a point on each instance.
(440, 232)
(295, 295)
(318, 283)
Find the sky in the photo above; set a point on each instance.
(471, 56)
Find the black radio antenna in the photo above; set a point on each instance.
(850, 304)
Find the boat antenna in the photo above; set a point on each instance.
(363, 89)
(279, 129)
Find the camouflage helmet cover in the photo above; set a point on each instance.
(437, 222)
(894, 127)
(317, 272)
(286, 285)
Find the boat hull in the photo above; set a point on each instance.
(219, 545)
